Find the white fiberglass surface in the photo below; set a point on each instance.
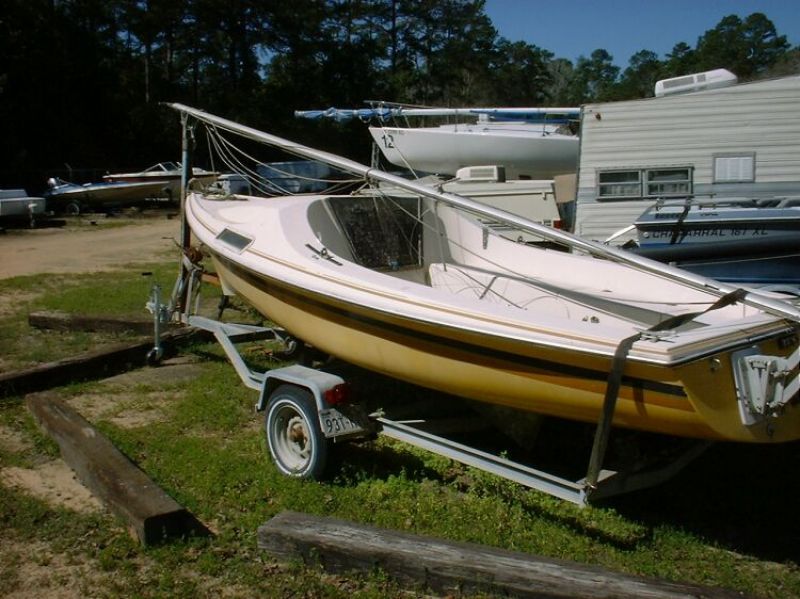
(462, 279)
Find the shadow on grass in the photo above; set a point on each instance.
(739, 496)
(353, 463)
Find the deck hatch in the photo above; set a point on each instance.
(236, 240)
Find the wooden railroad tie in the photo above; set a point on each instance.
(453, 567)
(151, 515)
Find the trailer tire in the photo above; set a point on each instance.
(294, 438)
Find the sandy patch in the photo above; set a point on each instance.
(39, 572)
(53, 482)
(86, 250)
(174, 371)
(12, 301)
(13, 441)
(32, 570)
(126, 410)
(121, 403)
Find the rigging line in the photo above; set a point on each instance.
(386, 137)
(260, 183)
(210, 153)
(487, 288)
(413, 251)
(228, 157)
(290, 174)
(288, 148)
(342, 187)
(531, 280)
(228, 149)
(273, 187)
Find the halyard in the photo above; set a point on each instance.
(726, 521)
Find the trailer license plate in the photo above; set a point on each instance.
(335, 424)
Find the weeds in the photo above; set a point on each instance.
(206, 448)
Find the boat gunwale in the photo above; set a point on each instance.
(775, 328)
(472, 348)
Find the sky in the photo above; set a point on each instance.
(573, 28)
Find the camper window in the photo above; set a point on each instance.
(669, 182)
(619, 184)
(644, 183)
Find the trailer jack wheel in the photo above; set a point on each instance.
(293, 434)
(154, 357)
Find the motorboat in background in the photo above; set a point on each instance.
(418, 288)
(167, 173)
(738, 240)
(17, 205)
(72, 198)
(295, 176)
(529, 143)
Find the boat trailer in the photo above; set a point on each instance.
(307, 410)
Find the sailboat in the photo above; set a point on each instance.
(530, 143)
(423, 287)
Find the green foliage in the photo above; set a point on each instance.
(748, 48)
(110, 293)
(593, 78)
(206, 448)
(109, 64)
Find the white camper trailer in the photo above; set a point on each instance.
(739, 140)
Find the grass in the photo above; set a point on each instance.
(122, 294)
(726, 521)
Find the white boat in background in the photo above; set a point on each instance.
(16, 204)
(529, 143)
(417, 287)
(169, 173)
(72, 198)
(740, 240)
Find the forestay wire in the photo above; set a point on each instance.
(770, 304)
(267, 178)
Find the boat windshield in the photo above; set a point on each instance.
(163, 167)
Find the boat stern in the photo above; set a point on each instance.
(764, 380)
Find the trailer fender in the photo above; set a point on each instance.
(316, 381)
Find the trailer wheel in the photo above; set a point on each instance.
(294, 438)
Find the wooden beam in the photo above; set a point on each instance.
(151, 515)
(92, 365)
(63, 321)
(455, 568)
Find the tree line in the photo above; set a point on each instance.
(82, 81)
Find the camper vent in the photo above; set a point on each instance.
(481, 174)
(696, 82)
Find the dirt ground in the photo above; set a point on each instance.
(81, 246)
